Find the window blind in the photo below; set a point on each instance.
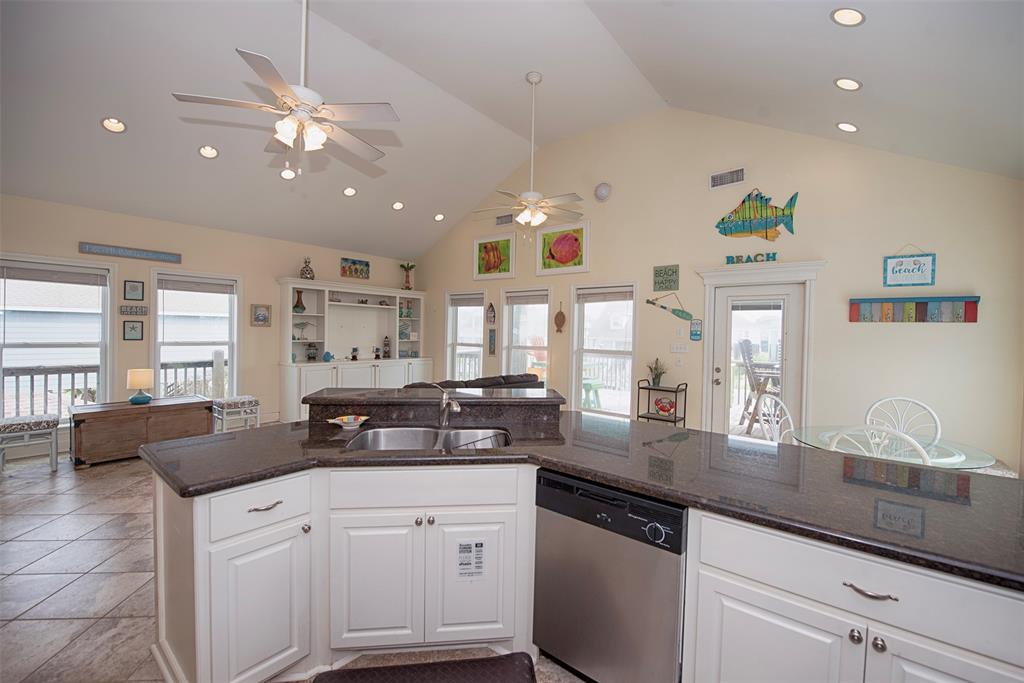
(466, 300)
(588, 295)
(42, 272)
(181, 283)
(526, 298)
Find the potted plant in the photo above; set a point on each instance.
(408, 268)
(657, 370)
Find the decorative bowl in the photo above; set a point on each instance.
(349, 421)
(665, 406)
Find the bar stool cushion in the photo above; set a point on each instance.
(28, 423)
(512, 668)
(236, 402)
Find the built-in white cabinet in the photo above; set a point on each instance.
(317, 377)
(898, 657)
(355, 376)
(391, 375)
(260, 603)
(420, 370)
(305, 378)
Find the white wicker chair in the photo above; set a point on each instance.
(877, 442)
(775, 419)
(29, 430)
(908, 416)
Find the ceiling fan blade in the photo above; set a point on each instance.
(568, 198)
(204, 99)
(496, 208)
(266, 70)
(350, 142)
(513, 195)
(373, 111)
(555, 212)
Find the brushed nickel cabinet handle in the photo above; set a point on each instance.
(878, 643)
(868, 594)
(856, 637)
(264, 508)
(430, 519)
(419, 521)
(306, 528)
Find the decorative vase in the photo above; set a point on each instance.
(299, 307)
(306, 272)
(656, 379)
(408, 280)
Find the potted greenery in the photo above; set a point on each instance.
(408, 268)
(657, 370)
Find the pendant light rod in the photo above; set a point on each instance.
(302, 42)
(533, 78)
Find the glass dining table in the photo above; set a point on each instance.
(947, 454)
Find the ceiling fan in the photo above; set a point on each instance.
(302, 110)
(533, 208)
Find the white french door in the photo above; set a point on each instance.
(758, 345)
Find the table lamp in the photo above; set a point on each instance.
(140, 378)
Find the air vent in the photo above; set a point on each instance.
(727, 178)
(503, 220)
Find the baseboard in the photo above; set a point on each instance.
(168, 664)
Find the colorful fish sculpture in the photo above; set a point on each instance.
(756, 217)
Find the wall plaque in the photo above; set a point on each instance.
(666, 278)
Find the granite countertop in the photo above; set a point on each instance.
(971, 525)
(490, 396)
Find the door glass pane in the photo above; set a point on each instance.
(608, 325)
(606, 383)
(756, 363)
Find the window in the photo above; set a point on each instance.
(53, 336)
(526, 333)
(465, 335)
(603, 349)
(195, 336)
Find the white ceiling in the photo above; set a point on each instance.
(943, 81)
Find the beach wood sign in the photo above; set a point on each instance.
(908, 270)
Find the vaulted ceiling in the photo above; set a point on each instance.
(942, 81)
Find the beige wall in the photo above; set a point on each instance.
(40, 228)
(856, 205)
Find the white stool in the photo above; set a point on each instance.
(245, 408)
(28, 430)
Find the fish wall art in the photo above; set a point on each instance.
(756, 217)
(495, 257)
(563, 249)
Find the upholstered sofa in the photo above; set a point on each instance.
(524, 381)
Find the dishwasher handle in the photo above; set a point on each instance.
(605, 500)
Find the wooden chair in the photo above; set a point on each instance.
(877, 441)
(908, 416)
(775, 420)
(758, 384)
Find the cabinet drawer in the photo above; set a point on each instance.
(973, 617)
(423, 488)
(236, 512)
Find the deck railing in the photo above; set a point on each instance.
(188, 378)
(467, 365)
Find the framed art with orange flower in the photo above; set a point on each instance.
(563, 249)
(494, 257)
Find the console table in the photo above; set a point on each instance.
(111, 431)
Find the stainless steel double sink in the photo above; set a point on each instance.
(428, 438)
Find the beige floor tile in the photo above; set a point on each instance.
(131, 526)
(13, 485)
(77, 557)
(105, 485)
(12, 526)
(136, 557)
(60, 504)
(109, 650)
(19, 592)
(141, 603)
(10, 503)
(66, 528)
(17, 554)
(116, 504)
(52, 485)
(25, 645)
(148, 671)
(92, 595)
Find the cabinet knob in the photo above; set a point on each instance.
(306, 528)
(856, 636)
(430, 519)
(878, 643)
(419, 521)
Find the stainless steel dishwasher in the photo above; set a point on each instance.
(609, 581)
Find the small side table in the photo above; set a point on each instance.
(678, 393)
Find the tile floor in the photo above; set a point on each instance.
(77, 602)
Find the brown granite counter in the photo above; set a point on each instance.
(971, 525)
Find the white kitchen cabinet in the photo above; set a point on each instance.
(470, 574)
(390, 374)
(314, 378)
(260, 604)
(747, 632)
(898, 657)
(420, 370)
(356, 376)
(376, 593)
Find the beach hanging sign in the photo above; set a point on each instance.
(908, 270)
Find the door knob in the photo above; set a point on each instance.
(717, 382)
(856, 637)
(878, 643)
(419, 521)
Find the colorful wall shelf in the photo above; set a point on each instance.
(915, 309)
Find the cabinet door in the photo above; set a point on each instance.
(356, 376)
(748, 632)
(900, 657)
(260, 604)
(391, 375)
(420, 371)
(470, 575)
(376, 579)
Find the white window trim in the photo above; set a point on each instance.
(506, 323)
(234, 346)
(752, 274)
(449, 340)
(577, 352)
(108, 354)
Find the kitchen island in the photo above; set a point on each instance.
(851, 568)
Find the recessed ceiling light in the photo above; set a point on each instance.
(288, 174)
(113, 125)
(349, 192)
(208, 152)
(439, 217)
(846, 127)
(848, 84)
(847, 16)
(398, 206)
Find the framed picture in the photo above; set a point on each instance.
(563, 249)
(134, 290)
(259, 315)
(495, 257)
(357, 268)
(492, 341)
(132, 330)
(908, 270)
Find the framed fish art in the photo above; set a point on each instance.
(757, 217)
(494, 258)
(563, 249)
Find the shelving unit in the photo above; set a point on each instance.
(645, 388)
